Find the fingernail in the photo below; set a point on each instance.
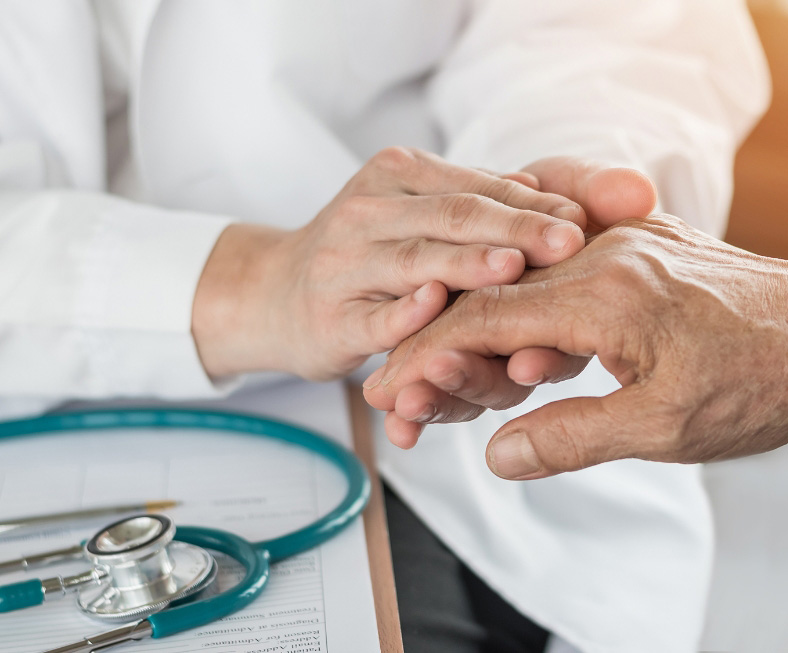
(422, 294)
(529, 384)
(427, 414)
(558, 236)
(498, 258)
(391, 373)
(512, 456)
(374, 378)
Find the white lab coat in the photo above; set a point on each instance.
(132, 132)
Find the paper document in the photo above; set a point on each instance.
(319, 601)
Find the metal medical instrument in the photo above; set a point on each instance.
(36, 521)
(143, 564)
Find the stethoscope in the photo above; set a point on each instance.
(143, 564)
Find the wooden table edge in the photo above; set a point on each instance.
(375, 528)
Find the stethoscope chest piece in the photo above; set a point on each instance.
(142, 570)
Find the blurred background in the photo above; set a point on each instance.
(759, 215)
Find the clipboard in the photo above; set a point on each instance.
(375, 528)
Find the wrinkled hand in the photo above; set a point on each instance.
(695, 330)
(459, 385)
(374, 266)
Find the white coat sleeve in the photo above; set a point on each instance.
(96, 296)
(95, 292)
(670, 87)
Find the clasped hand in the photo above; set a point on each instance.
(695, 331)
(374, 266)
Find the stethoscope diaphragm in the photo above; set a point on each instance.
(143, 569)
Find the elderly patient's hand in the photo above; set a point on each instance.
(695, 330)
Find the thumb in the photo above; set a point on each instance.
(571, 434)
(608, 195)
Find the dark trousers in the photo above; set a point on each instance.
(444, 607)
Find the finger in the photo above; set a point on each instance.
(448, 179)
(497, 321)
(417, 172)
(489, 382)
(403, 266)
(525, 178)
(536, 365)
(607, 194)
(372, 394)
(477, 380)
(458, 385)
(457, 388)
(572, 434)
(382, 325)
(401, 432)
(422, 402)
(467, 219)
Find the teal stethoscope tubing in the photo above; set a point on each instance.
(254, 556)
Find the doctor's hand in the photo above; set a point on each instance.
(374, 266)
(460, 385)
(695, 330)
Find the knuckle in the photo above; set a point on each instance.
(662, 220)
(393, 160)
(460, 211)
(618, 267)
(636, 278)
(617, 237)
(616, 252)
(362, 183)
(408, 256)
(501, 190)
(520, 229)
(660, 226)
(469, 260)
(663, 227)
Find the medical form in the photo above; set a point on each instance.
(318, 601)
